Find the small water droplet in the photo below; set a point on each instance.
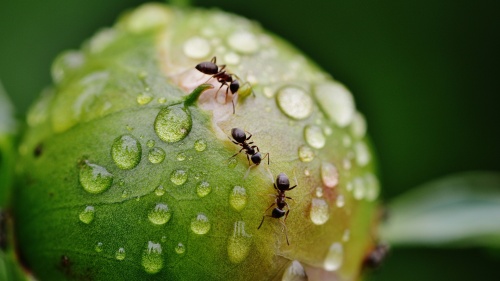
(239, 244)
(160, 214)
(362, 153)
(319, 192)
(180, 248)
(336, 101)
(200, 225)
(178, 177)
(126, 152)
(200, 145)
(120, 254)
(346, 141)
(151, 143)
(129, 128)
(156, 155)
(203, 189)
(294, 102)
(346, 163)
(173, 123)
(328, 131)
(163, 239)
(294, 272)
(231, 58)
(306, 154)
(98, 247)
(329, 174)
(144, 98)
(358, 125)
(160, 190)
(125, 193)
(196, 48)
(232, 163)
(359, 188)
(346, 236)
(314, 136)
(66, 63)
(181, 156)
(94, 178)
(340, 202)
(162, 100)
(307, 173)
(243, 42)
(372, 187)
(152, 259)
(238, 198)
(319, 212)
(349, 186)
(334, 257)
(87, 215)
(121, 182)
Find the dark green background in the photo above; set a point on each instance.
(425, 74)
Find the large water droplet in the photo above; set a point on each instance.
(156, 155)
(319, 212)
(203, 189)
(329, 174)
(173, 123)
(196, 48)
(94, 178)
(243, 42)
(372, 187)
(87, 215)
(180, 248)
(239, 244)
(334, 257)
(362, 153)
(160, 214)
(200, 224)
(359, 188)
(294, 272)
(178, 177)
(294, 102)
(306, 154)
(238, 198)
(98, 247)
(336, 101)
(120, 254)
(314, 136)
(152, 259)
(160, 190)
(126, 152)
(200, 145)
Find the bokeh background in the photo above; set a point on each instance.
(425, 74)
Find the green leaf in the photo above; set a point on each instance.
(460, 211)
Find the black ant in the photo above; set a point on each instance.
(252, 151)
(282, 185)
(222, 76)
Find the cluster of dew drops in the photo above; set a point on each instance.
(295, 103)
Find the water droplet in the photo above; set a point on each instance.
(243, 42)
(181, 156)
(294, 272)
(336, 101)
(200, 145)
(314, 136)
(178, 177)
(359, 188)
(173, 123)
(307, 173)
(147, 17)
(362, 153)
(346, 163)
(87, 215)
(346, 236)
(120, 254)
(98, 247)
(94, 178)
(349, 186)
(319, 212)
(200, 224)
(121, 182)
(346, 141)
(328, 131)
(329, 174)
(180, 248)
(358, 125)
(372, 187)
(340, 202)
(306, 154)
(151, 143)
(203, 189)
(232, 163)
(238, 198)
(231, 58)
(66, 63)
(125, 193)
(160, 214)
(196, 48)
(144, 98)
(152, 259)
(319, 192)
(156, 155)
(160, 190)
(294, 102)
(126, 152)
(162, 100)
(334, 257)
(239, 244)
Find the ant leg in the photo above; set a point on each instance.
(249, 135)
(237, 153)
(292, 187)
(214, 60)
(286, 234)
(248, 158)
(256, 148)
(217, 93)
(267, 155)
(287, 211)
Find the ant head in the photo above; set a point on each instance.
(282, 181)
(238, 135)
(234, 86)
(207, 67)
(256, 158)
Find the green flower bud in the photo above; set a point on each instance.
(134, 179)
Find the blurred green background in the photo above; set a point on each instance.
(425, 74)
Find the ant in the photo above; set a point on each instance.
(375, 258)
(282, 185)
(222, 76)
(252, 151)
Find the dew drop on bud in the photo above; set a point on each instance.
(314, 136)
(173, 123)
(334, 257)
(126, 152)
(239, 243)
(87, 215)
(152, 259)
(160, 214)
(178, 177)
(156, 155)
(200, 225)
(94, 178)
(120, 254)
(238, 198)
(319, 212)
(294, 102)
